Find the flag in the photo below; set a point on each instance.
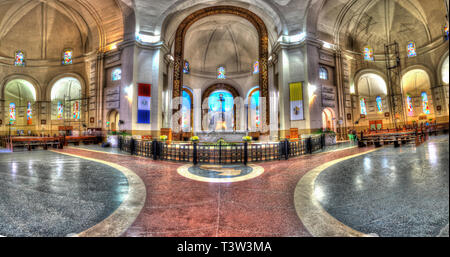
(144, 103)
(296, 97)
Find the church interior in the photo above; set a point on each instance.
(247, 118)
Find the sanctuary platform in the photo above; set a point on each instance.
(214, 136)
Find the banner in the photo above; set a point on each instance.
(144, 103)
(296, 97)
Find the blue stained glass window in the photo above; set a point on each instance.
(425, 105)
(368, 54)
(186, 112)
(215, 103)
(221, 73)
(254, 105)
(19, 59)
(256, 67)
(323, 73)
(117, 74)
(186, 67)
(379, 104)
(412, 49)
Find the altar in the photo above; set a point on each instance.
(214, 136)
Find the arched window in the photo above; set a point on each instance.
(411, 49)
(66, 94)
(323, 73)
(363, 106)
(254, 117)
(256, 67)
(221, 108)
(409, 105)
(186, 111)
(116, 75)
(12, 114)
(368, 54)
(445, 71)
(19, 59)
(379, 104)
(425, 105)
(221, 73)
(186, 67)
(67, 57)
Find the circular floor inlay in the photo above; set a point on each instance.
(220, 173)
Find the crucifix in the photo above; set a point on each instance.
(222, 125)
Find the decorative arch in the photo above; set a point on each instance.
(215, 10)
(188, 91)
(27, 78)
(213, 88)
(444, 58)
(428, 70)
(48, 91)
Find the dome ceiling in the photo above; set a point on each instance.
(359, 23)
(415, 82)
(221, 40)
(19, 91)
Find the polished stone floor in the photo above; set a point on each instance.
(179, 206)
(391, 192)
(43, 193)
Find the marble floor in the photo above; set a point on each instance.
(48, 194)
(388, 192)
(391, 192)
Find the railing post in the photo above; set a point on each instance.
(155, 149)
(195, 154)
(132, 144)
(220, 152)
(309, 145)
(245, 153)
(286, 149)
(322, 140)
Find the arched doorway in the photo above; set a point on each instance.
(113, 120)
(219, 109)
(328, 120)
(418, 96)
(20, 99)
(230, 10)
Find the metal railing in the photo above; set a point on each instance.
(221, 153)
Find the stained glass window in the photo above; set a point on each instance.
(76, 110)
(446, 32)
(412, 49)
(256, 67)
(12, 114)
(255, 117)
(425, 105)
(186, 67)
(20, 59)
(186, 112)
(117, 74)
(379, 104)
(409, 105)
(29, 114)
(368, 54)
(363, 106)
(221, 107)
(221, 73)
(60, 113)
(323, 73)
(67, 57)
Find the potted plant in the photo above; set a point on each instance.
(163, 138)
(247, 139)
(195, 139)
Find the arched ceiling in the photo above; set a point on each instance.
(283, 16)
(66, 88)
(221, 40)
(40, 26)
(19, 91)
(372, 85)
(415, 82)
(354, 24)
